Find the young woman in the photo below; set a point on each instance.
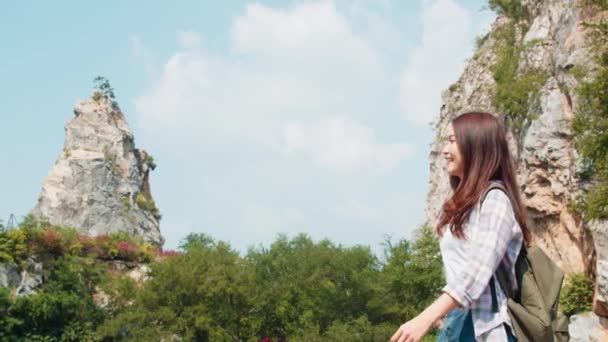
(476, 238)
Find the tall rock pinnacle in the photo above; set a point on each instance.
(100, 182)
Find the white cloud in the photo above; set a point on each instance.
(438, 61)
(312, 33)
(339, 143)
(304, 62)
(297, 127)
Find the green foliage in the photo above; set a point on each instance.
(360, 329)
(147, 203)
(410, 280)
(296, 289)
(603, 4)
(576, 295)
(150, 162)
(97, 95)
(309, 284)
(121, 292)
(579, 72)
(13, 245)
(510, 8)
(198, 295)
(515, 95)
(104, 89)
(197, 240)
(590, 127)
(111, 159)
(61, 310)
(7, 321)
(126, 203)
(49, 242)
(480, 40)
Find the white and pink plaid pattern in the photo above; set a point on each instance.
(493, 237)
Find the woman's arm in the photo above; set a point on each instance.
(489, 237)
(415, 329)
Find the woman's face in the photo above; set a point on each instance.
(452, 154)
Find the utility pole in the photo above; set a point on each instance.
(12, 222)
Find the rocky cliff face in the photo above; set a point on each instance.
(551, 42)
(100, 182)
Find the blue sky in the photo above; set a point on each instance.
(263, 117)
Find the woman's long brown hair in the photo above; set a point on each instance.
(482, 143)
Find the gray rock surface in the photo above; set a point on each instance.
(9, 275)
(100, 181)
(24, 281)
(599, 230)
(588, 327)
(31, 278)
(548, 168)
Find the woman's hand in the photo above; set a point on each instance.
(413, 330)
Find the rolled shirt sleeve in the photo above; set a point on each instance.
(489, 238)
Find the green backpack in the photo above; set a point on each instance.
(533, 308)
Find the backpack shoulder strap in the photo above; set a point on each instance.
(501, 275)
(493, 185)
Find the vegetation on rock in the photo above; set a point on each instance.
(576, 295)
(517, 89)
(590, 125)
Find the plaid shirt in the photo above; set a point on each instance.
(493, 236)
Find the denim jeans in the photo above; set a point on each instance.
(458, 327)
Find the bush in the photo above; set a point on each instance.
(52, 242)
(150, 162)
(515, 95)
(7, 321)
(165, 253)
(510, 8)
(147, 252)
(127, 251)
(121, 291)
(104, 89)
(590, 127)
(147, 204)
(603, 4)
(104, 248)
(62, 309)
(13, 246)
(97, 95)
(576, 295)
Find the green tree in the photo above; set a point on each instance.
(198, 295)
(63, 308)
(299, 283)
(104, 88)
(410, 279)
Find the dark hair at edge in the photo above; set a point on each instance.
(482, 143)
